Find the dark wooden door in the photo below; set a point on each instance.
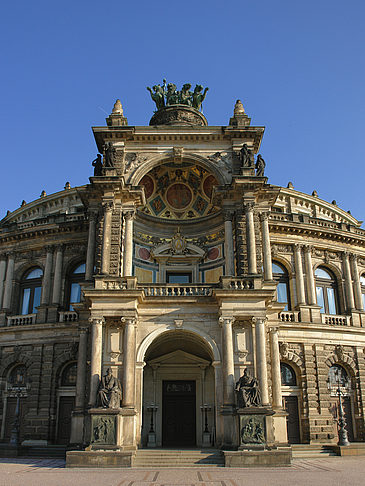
(292, 420)
(178, 414)
(10, 416)
(66, 405)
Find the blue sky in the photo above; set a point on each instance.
(297, 66)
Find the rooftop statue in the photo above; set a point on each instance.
(167, 95)
(158, 95)
(260, 166)
(198, 96)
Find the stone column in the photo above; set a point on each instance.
(128, 243)
(81, 369)
(350, 303)
(228, 242)
(266, 248)
(2, 276)
(105, 249)
(57, 279)
(275, 368)
(46, 283)
(129, 361)
(299, 273)
(90, 254)
(228, 361)
(357, 283)
(250, 232)
(261, 359)
(311, 286)
(96, 352)
(9, 282)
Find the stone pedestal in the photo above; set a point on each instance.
(257, 445)
(111, 429)
(111, 435)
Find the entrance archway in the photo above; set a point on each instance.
(178, 399)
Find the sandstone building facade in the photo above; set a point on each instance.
(178, 266)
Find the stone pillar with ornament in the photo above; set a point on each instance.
(229, 402)
(228, 242)
(250, 233)
(128, 243)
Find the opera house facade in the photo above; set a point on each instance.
(176, 267)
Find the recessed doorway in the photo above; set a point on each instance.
(179, 414)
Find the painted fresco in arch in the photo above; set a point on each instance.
(179, 191)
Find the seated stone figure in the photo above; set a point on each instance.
(248, 392)
(110, 391)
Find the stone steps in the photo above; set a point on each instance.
(305, 451)
(178, 458)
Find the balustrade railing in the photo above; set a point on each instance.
(289, 316)
(334, 320)
(23, 320)
(68, 316)
(176, 290)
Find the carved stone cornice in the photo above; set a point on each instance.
(129, 214)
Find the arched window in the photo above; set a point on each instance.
(282, 290)
(69, 374)
(337, 376)
(288, 377)
(362, 283)
(326, 291)
(17, 377)
(30, 291)
(74, 289)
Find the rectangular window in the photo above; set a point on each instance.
(75, 294)
(282, 294)
(25, 301)
(36, 299)
(331, 301)
(320, 298)
(178, 278)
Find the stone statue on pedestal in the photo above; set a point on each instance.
(260, 166)
(98, 166)
(110, 391)
(245, 156)
(248, 392)
(109, 154)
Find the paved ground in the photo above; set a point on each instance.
(331, 471)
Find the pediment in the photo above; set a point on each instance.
(179, 357)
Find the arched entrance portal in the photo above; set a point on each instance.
(178, 392)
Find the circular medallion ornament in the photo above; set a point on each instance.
(179, 196)
(213, 253)
(148, 185)
(144, 254)
(208, 184)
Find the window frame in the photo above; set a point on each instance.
(74, 278)
(326, 285)
(31, 284)
(282, 278)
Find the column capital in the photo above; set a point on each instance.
(97, 320)
(228, 214)
(108, 206)
(129, 321)
(83, 329)
(49, 248)
(3, 256)
(297, 247)
(264, 216)
(93, 215)
(308, 248)
(274, 329)
(249, 206)
(129, 214)
(226, 320)
(60, 247)
(259, 320)
(345, 254)
(10, 254)
(353, 257)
